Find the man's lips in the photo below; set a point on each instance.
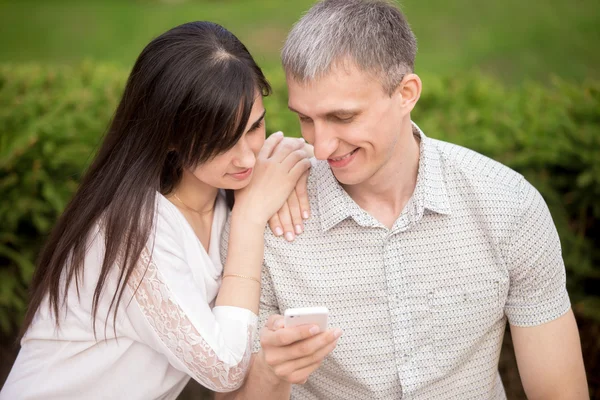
(339, 162)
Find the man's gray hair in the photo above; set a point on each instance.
(374, 34)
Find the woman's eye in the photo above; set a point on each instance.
(255, 128)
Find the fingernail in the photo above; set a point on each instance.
(278, 231)
(314, 330)
(337, 333)
(289, 236)
(305, 214)
(278, 324)
(278, 133)
(298, 229)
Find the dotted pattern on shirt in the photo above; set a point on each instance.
(423, 306)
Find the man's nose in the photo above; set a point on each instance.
(325, 143)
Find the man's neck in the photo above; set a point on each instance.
(387, 192)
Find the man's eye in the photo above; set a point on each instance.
(304, 119)
(343, 120)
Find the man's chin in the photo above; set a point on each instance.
(346, 178)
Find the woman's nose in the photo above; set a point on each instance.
(245, 157)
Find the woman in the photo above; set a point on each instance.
(124, 300)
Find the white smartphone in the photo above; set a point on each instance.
(306, 316)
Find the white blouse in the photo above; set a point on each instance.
(166, 331)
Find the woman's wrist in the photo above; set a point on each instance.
(248, 218)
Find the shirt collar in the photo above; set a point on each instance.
(335, 205)
(431, 179)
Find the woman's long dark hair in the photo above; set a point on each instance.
(188, 98)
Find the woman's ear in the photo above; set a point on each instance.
(409, 91)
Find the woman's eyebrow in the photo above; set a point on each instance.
(257, 122)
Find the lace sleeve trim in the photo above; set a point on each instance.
(178, 333)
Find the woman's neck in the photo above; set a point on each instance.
(194, 194)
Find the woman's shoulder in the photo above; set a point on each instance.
(164, 208)
(167, 220)
(221, 208)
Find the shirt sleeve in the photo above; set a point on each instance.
(268, 303)
(537, 292)
(211, 345)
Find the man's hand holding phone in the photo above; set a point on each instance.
(293, 353)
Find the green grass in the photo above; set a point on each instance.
(67, 31)
(512, 39)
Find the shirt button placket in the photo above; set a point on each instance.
(397, 308)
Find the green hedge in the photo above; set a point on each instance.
(52, 120)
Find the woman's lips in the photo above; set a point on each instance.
(240, 176)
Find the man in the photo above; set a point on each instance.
(421, 250)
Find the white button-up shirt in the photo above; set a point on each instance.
(423, 305)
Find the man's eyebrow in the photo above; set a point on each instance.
(340, 111)
(258, 120)
(292, 110)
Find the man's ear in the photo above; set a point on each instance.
(409, 91)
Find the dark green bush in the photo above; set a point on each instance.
(52, 119)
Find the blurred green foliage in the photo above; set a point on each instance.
(510, 39)
(52, 119)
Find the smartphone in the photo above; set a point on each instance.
(306, 316)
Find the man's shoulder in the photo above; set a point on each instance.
(461, 163)
(318, 170)
(317, 180)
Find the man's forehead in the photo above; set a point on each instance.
(336, 92)
(332, 103)
(341, 69)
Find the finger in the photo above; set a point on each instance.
(297, 354)
(292, 158)
(275, 225)
(274, 322)
(287, 336)
(300, 368)
(270, 144)
(284, 148)
(297, 170)
(286, 222)
(316, 357)
(313, 345)
(296, 212)
(301, 376)
(310, 150)
(302, 195)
